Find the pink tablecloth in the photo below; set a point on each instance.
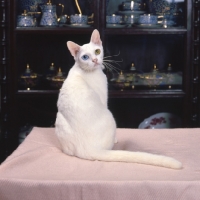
(38, 170)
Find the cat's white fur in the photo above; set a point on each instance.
(84, 125)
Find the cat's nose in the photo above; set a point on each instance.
(95, 60)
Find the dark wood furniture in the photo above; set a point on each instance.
(41, 46)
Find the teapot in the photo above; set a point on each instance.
(49, 16)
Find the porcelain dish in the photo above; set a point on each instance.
(131, 12)
(131, 19)
(132, 5)
(78, 19)
(77, 25)
(161, 121)
(113, 19)
(116, 25)
(148, 19)
(147, 25)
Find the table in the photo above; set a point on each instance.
(39, 170)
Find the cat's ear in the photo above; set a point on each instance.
(95, 38)
(73, 48)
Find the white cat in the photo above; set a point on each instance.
(84, 125)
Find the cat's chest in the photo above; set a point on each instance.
(98, 83)
(96, 80)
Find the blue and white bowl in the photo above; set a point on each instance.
(148, 19)
(113, 19)
(131, 19)
(25, 21)
(78, 19)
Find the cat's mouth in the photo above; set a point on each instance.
(91, 67)
(96, 64)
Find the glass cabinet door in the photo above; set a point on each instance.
(149, 38)
(145, 13)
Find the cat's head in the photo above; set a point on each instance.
(89, 56)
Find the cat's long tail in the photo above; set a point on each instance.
(136, 157)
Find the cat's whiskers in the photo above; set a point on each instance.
(109, 63)
(111, 67)
(113, 61)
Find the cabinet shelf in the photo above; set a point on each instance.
(116, 93)
(146, 94)
(52, 30)
(108, 31)
(38, 92)
(132, 31)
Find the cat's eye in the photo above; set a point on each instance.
(97, 51)
(85, 57)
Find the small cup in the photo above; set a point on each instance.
(148, 19)
(113, 19)
(78, 19)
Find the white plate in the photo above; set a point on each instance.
(116, 25)
(78, 25)
(131, 12)
(147, 25)
(161, 120)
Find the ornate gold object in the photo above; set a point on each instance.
(132, 67)
(121, 77)
(79, 9)
(169, 67)
(59, 76)
(28, 73)
(155, 68)
(49, 3)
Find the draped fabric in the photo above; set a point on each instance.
(38, 169)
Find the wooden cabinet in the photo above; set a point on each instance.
(145, 47)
